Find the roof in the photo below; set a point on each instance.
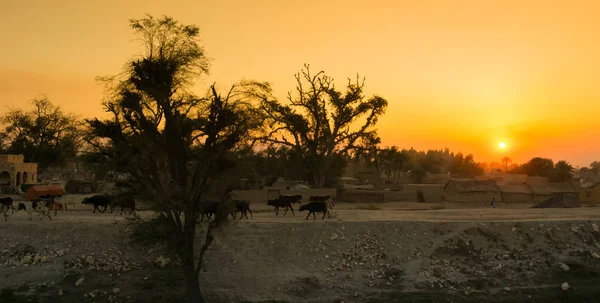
(515, 189)
(592, 186)
(34, 192)
(470, 185)
(564, 200)
(551, 188)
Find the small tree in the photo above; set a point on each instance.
(176, 146)
(322, 123)
(44, 135)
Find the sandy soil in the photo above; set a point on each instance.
(366, 253)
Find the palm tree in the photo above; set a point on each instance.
(562, 172)
(506, 161)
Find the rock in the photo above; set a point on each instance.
(595, 227)
(116, 290)
(165, 262)
(333, 236)
(356, 295)
(595, 256)
(36, 258)
(565, 286)
(326, 256)
(60, 252)
(60, 292)
(507, 288)
(79, 282)
(44, 259)
(89, 260)
(564, 266)
(26, 259)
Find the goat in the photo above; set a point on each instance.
(98, 200)
(315, 207)
(30, 209)
(279, 202)
(7, 202)
(243, 207)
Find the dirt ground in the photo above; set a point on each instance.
(384, 252)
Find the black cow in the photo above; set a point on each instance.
(208, 208)
(279, 202)
(7, 202)
(327, 199)
(124, 202)
(243, 207)
(98, 201)
(315, 207)
(292, 198)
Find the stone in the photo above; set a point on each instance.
(595, 227)
(564, 266)
(165, 262)
(26, 259)
(44, 259)
(79, 282)
(116, 290)
(595, 256)
(60, 292)
(89, 260)
(565, 286)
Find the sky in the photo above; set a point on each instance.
(464, 75)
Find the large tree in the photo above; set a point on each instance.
(177, 146)
(321, 123)
(44, 135)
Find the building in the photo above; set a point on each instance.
(590, 194)
(14, 171)
(515, 193)
(544, 191)
(471, 190)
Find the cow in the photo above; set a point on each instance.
(124, 202)
(281, 202)
(7, 202)
(208, 208)
(243, 207)
(315, 207)
(98, 201)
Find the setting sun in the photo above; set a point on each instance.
(502, 145)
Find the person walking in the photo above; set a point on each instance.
(493, 202)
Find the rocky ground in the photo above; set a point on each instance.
(70, 260)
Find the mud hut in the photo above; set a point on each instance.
(470, 190)
(515, 193)
(562, 200)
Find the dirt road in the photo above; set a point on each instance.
(349, 213)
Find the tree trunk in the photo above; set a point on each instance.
(192, 285)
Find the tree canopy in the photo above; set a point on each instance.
(44, 135)
(322, 123)
(177, 146)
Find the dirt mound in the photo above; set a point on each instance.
(314, 261)
(562, 200)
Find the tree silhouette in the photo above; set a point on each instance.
(505, 162)
(44, 135)
(562, 172)
(322, 123)
(177, 146)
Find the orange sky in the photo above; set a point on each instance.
(458, 74)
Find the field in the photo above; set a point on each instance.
(408, 252)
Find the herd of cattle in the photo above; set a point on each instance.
(209, 208)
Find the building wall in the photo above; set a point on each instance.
(516, 198)
(29, 170)
(590, 195)
(4, 159)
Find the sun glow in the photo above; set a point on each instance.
(502, 145)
